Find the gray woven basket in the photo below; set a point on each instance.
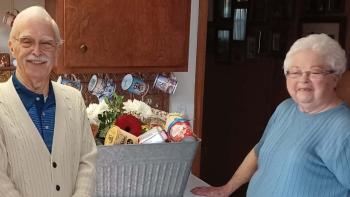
(147, 170)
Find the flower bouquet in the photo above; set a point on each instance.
(103, 115)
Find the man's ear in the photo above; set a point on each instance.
(11, 47)
(57, 54)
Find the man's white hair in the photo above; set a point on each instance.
(36, 12)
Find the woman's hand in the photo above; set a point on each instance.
(242, 175)
(221, 191)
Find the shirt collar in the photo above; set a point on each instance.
(28, 97)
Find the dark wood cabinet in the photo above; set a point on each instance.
(122, 36)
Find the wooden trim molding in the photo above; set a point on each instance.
(199, 82)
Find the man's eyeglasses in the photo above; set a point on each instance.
(313, 74)
(45, 45)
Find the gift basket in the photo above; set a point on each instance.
(141, 151)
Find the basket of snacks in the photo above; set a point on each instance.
(141, 151)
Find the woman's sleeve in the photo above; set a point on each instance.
(257, 147)
(337, 160)
(269, 126)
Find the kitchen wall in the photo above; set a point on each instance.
(7, 5)
(181, 101)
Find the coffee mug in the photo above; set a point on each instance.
(9, 17)
(71, 80)
(134, 85)
(165, 84)
(101, 87)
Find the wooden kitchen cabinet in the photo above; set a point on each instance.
(122, 36)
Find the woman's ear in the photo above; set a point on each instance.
(336, 79)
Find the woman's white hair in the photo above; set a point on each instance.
(36, 12)
(322, 44)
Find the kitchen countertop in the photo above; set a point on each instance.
(192, 182)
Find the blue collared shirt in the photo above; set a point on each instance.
(41, 110)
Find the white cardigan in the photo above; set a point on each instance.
(27, 169)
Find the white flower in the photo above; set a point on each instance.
(102, 106)
(145, 110)
(129, 106)
(93, 110)
(137, 107)
(90, 110)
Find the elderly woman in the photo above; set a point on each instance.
(305, 148)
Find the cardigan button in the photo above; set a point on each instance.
(58, 187)
(54, 164)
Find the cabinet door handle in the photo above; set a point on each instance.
(83, 48)
(259, 43)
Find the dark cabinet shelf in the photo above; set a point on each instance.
(229, 29)
(261, 32)
(7, 68)
(324, 16)
(324, 7)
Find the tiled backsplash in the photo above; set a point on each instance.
(155, 98)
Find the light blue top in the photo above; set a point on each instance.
(303, 155)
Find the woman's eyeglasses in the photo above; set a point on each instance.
(313, 74)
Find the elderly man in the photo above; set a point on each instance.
(46, 145)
